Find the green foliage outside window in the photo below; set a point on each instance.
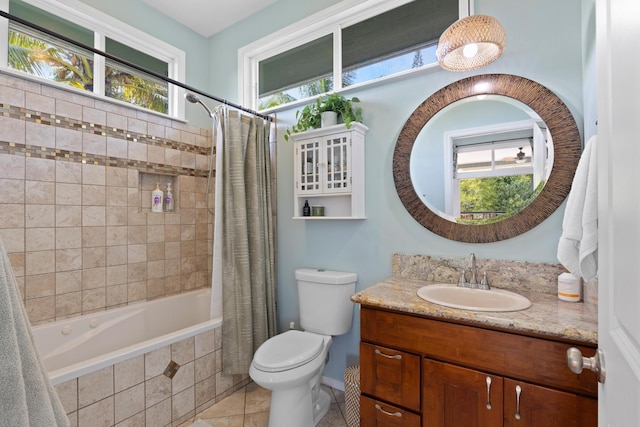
(66, 64)
(487, 200)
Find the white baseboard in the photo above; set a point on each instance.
(335, 384)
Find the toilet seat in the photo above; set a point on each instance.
(287, 351)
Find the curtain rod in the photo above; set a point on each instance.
(132, 65)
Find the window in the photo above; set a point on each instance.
(54, 59)
(40, 55)
(303, 71)
(351, 43)
(495, 174)
(493, 179)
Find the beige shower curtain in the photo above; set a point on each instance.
(244, 250)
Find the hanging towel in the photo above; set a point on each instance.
(27, 398)
(578, 245)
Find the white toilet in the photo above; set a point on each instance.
(291, 364)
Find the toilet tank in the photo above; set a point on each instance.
(325, 300)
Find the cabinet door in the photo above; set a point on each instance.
(530, 405)
(307, 167)
(454, 396)
(337, 158)
(374, 413)
(390, 375)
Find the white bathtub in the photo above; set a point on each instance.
(80, 345)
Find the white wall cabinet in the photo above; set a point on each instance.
(329, 171)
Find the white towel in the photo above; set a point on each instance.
(27, 398)
(578, 245)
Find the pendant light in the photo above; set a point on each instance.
(520, 157)
(470, 43)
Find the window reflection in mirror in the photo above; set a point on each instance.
(481, 159)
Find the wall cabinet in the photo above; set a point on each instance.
(329, 171)
(467, 376)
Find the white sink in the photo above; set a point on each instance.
(473, 299)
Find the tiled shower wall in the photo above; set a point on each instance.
(76, 174)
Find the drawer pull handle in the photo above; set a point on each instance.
(395, 356)
(391, 414)
(489, 393)
(518, 391)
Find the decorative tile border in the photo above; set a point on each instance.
(26, 150)
(32, 116)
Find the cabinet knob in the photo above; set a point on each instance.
(577, 363)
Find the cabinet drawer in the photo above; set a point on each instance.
(374, 413)
(536, 360)
(390, 375)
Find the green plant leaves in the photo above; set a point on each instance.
(309, 116)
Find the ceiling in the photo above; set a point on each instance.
(208, 17)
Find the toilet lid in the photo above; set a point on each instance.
(287, 351)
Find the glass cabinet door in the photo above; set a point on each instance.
(328, 172)
(338, 163)
(308, 167)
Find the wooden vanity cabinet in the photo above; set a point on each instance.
(468, 376)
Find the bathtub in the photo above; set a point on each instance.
(81, 345)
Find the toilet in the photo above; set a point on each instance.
(291, 364)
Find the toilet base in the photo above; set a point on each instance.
(294, 407)
(321, 407)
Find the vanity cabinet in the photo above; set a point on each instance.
(469, 375)
(456, 396)
(329, 171)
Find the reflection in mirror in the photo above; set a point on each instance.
(481, 159)
(503, 137)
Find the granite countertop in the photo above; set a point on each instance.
(547, 315)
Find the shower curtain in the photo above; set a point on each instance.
(244, 249)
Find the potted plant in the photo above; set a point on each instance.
(310, 117)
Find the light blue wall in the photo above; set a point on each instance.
(544, 42)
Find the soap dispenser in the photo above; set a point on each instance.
(306, 209)
(168, 199)
(157, 196)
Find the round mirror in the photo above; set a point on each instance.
(486, 158)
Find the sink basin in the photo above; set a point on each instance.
(473, 299)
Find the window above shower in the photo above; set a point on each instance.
(350, 44)
(44, 56)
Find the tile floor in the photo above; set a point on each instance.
(249, 407)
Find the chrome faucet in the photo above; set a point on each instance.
(473, 283)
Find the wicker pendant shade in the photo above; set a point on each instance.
(457, 45)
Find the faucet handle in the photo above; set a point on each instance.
(484, 283)
(462, 282)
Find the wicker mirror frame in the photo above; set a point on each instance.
(566, 146)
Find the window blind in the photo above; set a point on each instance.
(413, 25)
